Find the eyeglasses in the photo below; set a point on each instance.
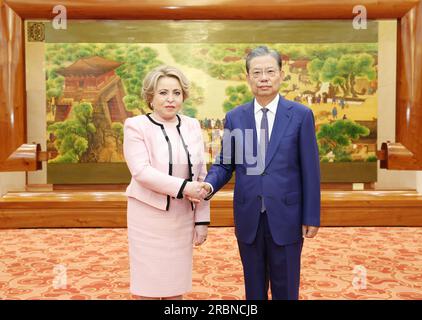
(257, 74)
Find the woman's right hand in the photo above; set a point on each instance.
(194, 190)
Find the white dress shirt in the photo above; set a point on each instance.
(272, 109)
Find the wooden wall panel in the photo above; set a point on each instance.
(409, 84)
(12, 83)
(108, 209)
(211, 9)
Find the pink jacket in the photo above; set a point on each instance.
(146, 153)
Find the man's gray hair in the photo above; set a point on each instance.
(262, 51)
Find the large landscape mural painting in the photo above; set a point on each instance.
(91, 88)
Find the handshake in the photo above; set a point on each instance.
(196, 191)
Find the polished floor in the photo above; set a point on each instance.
(341, 263)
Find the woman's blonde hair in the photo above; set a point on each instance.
(150, 82)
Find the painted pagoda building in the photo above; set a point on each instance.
(93, 80)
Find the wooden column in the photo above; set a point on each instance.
(14, 154)
(406, 153)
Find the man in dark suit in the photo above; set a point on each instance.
(271, 146)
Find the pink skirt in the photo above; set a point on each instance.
(160, 248)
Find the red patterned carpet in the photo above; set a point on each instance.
(93, 264)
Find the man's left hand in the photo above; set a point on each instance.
(309, 231)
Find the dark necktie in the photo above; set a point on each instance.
(263, 145)
(264, 138)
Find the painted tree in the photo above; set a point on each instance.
(350, 67)
(72, 135)
(220, 61)
(117, 128)
(236, 96)
(195, 100)
(55, 84)
(314, 70)
(342, 71)
(337, 136)
(132, 102)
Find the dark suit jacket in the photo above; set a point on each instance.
(289, 181)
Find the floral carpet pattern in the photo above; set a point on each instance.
(340, 263)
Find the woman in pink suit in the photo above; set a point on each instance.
(164, 151)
